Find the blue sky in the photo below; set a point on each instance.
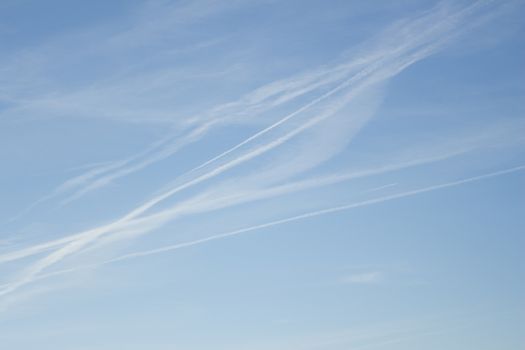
(262, 174)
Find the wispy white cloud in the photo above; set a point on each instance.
(415, 40)
(331, 210)
(362, 277)
(405, 44)
(370, 277)
(248, 107)
(231, 193)
(380, 188)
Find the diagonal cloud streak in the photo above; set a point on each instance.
(291, 219)
(414, 41)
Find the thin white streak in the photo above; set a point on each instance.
(383, 74)
(280, 92)
(322, 212)
(87, 178)
(262, 99)
(236, 199)
(423, 43)
(284, 221)
(379, 188)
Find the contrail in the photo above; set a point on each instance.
(375, 73)
(204, 203)
(422, 42)
(266, 193)
(376, 64)
(319, 213)
(419, 37)
(285, 221)
(278, 93)
(94, 177)
(421, 47)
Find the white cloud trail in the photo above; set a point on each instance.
(323, 212)
(291, 219)
(419, 39)
(229, 196)
(264, 98)
(203, 202)
(423, 42)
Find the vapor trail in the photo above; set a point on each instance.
(318, 213)
(285, 221)
(418, 40)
